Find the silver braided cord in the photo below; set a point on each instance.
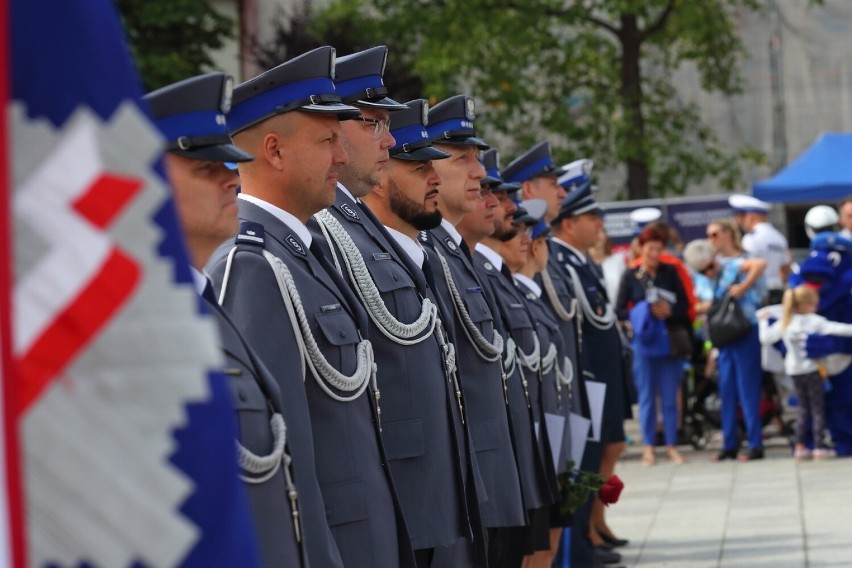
(365, 287)
(531, 361)
(484, 349)
(560, 310)
(265, 466)
(601, 322)
(323, 372)
(549, 359)
(566, 375)
(511, 358)
(328, 240)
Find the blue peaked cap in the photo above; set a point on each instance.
(191, 116)
(358, 79)
(451, 122)
(579, 201)
(408, 128)
(535, 162)
(304, 83)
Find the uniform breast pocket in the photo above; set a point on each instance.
(518, 317)
(338, 339)
(396, 287)
(477, 307)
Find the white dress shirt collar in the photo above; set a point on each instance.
(452, 231)
(287, 218)
(411, 247)
(491, 255)
(199, 279)
(346, 192)
(528, 282)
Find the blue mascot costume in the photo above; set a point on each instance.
(829, 267)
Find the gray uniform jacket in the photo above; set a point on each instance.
(360, 504)
(531, 441)
(488, 414)
(601, 349)
(256, 398)
(554, 395)
(569, 329)
(421, 421)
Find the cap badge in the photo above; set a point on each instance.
(227, 94)
(425, 113)
(470, 109)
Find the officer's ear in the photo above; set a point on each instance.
(273, 150)
(528, 189)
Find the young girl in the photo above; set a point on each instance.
(799, 319)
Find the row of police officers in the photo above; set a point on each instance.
(406, 345)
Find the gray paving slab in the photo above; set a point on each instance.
(775, 512)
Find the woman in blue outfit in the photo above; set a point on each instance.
(721, 259)
(652, 297)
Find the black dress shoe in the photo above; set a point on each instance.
(753, 454)
(614, 541)
(605, 556)
(725, 455)
(606, 545)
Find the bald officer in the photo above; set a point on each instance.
(296, 311)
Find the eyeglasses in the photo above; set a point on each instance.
(485, 191)
(713, 235)
(707, 268)
(382, 125)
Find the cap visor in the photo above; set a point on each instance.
(385, 103)
(508, 186)
(463, 141)
(343, 112)
(424, 154)
(217, 153)
(490, 180)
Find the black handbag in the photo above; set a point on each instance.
(726, 322)
(680, 341)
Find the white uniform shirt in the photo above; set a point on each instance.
(766, 242)
(796, 361)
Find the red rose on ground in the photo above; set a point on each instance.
(611, 490)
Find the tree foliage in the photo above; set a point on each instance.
(171, 39)
(593, 76)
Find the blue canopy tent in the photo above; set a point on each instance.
(823, 172)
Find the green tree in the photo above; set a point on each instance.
(171, 39)
(594, 76)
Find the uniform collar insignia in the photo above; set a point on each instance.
(295, 244)
(488, 265)
(349, 211)
(451, 243)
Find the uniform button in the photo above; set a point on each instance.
(242, 396)
(395, 278)
(342, 333)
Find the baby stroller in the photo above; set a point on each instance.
(702, 404)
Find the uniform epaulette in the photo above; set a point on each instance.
(250, 233)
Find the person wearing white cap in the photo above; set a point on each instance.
(762, 240)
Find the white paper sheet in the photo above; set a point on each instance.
(596, 392)
(556, 433)
(579, 427)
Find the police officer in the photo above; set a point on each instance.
(762, 240)
(189, 113)
(421, 409)
(538, 175)
(298, 313)
(526, 255)
(484, 230)
(575, 229)
(479, 348)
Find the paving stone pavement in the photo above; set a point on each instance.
(774, 512)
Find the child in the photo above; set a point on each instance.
(798, 319)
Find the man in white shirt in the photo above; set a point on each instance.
(762, 240)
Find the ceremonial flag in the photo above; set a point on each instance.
(120, 441)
